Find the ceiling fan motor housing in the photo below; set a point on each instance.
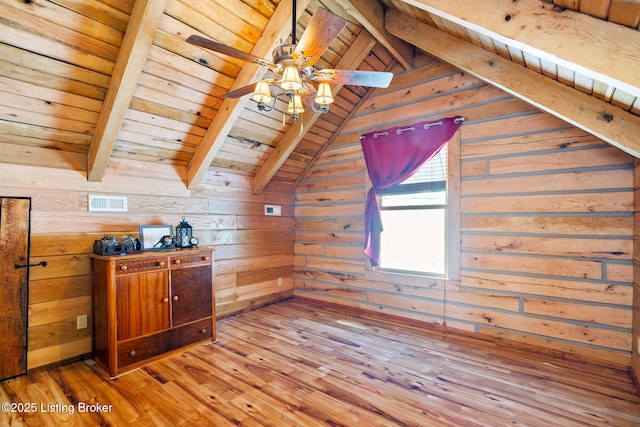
(284, 55)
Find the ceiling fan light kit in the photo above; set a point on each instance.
(293, 67)
(324, 97)
(291, 80)
(262, 93)
(295, 108)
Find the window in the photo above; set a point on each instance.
(422, 214)
(414, 219)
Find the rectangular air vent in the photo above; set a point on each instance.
(107, 203)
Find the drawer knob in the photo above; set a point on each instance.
(177, 261)
(161, 263)
(124, 267)
(203, 330)
(206, 258)
(175, 297)
(165, 300)
(132, 353)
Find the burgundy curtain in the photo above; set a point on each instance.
(392, 156)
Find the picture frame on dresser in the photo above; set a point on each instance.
(150, 235)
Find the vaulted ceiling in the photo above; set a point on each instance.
(86, 84)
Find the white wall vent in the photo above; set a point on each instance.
(107, 203)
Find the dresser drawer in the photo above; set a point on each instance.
(134, 265)
(140, 349)
(186, 260)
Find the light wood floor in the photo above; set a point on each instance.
(298, 363)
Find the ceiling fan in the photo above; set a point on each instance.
(294, 77)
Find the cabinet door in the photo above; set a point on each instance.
(191, 294)
(142, 302)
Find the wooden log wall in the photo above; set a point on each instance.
(546, 223)
(254, 253)
(635, 341)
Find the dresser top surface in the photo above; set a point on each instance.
(153, 253)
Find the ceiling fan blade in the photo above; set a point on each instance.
(354, 77)
(244, 90)
(241, 91)
(308, 95)
(226, 50)
(322, 30)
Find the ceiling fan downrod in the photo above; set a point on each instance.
(293, 22)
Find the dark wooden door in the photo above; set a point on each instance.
(191, 294)
(14, 277)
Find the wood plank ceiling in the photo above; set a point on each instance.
(87, 85)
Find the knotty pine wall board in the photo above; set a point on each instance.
(635, 360)
(569, 182)
(609, 203)
(551, 140)
(546, 223)
(635, 341)
(558, 289)
(583, 247)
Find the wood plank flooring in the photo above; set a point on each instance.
(299, 363)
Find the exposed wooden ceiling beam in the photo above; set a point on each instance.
(603, 120)
(141, 29)
(370, 14)
(274, 33)
(357, 52)
(596, 48)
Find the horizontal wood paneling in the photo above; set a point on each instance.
(562, 203)
(546, 223)
(635, 339)
(254, 253)
(557, 287)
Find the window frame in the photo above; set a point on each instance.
(452, 223)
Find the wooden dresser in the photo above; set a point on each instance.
(150, 303)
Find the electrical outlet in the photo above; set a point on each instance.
(81, 322)
(279, 281)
